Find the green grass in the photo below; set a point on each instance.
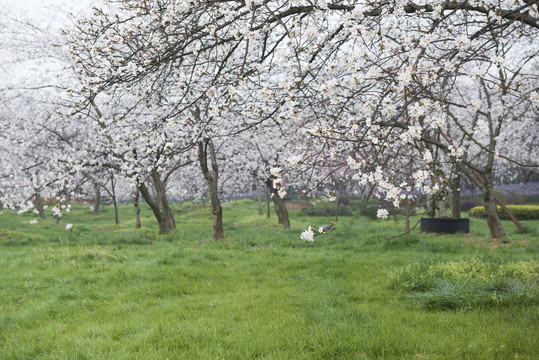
(107, 292)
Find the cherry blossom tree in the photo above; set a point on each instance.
(368, 83)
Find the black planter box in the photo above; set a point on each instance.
(445, 225)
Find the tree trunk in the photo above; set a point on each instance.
(260, 209)
(486, 183)
(137, 209)
(160, 190)
(169, 218)
(441, 208)
(507, 212)
(280, 208)
(114, 202)
(268, 205)
(39, 206)
(159, 216)
(212, 178)
(456, 200)
(393, 212)
(97, 199)
(282, 213)
(493, 220)
(163, 227)
(116, 218)
(408, 200)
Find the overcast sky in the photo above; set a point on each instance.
(34, 8)
(44, 14)
(36, 4)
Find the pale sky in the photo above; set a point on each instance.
(45, 14)
(41, 7)
(35, 4)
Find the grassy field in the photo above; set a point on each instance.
(105, 292)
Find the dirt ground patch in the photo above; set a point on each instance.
(491, 243)
(297, 205)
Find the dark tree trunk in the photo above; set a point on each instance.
(212, 178)
(268, 205)
(160, 217)
(456, 200)
(395, 217)
(485, 182)
(114, 202)
(282, 213)
(169, 218)
(260, 209)
(39, 206)
(280, 208)
(137, 209)
(97, 200)
(493, 219)
(393, 212)
(160, 190)
(433, 206)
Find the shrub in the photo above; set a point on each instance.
(366, 209)
(470, 204)
(521, 212)
(369, 211)
(326, 210)
(360, 204)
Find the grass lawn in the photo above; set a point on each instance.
(105, 292)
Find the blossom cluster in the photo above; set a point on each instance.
(277, 181)
(308, 235)
(56, 212)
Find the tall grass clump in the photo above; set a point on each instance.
(467, 284)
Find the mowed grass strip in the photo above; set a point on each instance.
(103, 291)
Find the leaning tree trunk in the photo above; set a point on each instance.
(212, 178)
(137, 209)
(97, 199)
(493, 219)
(39, 206)
(159, 216)
(280, 208)
(160, 190)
